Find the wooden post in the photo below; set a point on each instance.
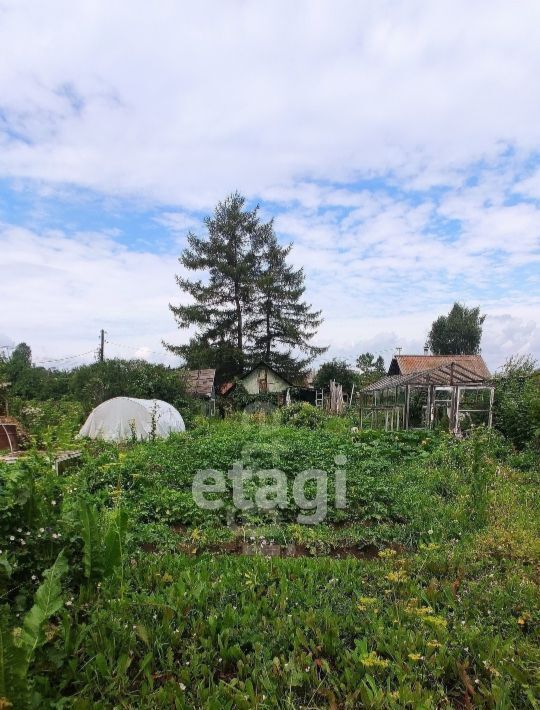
(491, 398)
(458, 397)
(407, 402)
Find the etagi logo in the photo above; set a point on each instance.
(267, 489)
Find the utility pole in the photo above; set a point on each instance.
(101, 353)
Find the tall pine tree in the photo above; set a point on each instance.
(220, 302)
(281, 324)
(249, 306)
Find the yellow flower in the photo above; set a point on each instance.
(386, 554)
(372, 660)
(433, 644)
(397, 577)
(365, 602)
(436, 621)
(415, 656)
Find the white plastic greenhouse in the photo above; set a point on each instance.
(124, 418)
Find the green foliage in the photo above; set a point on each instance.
(441, 611)
(338, 370)
(279, 318)
(11, 662)
(240, 398)
(18, 646)
(93, 384)
(302, 415)
(114, 540)
(89, 385)
(250, 306)
(517, 402)
(48, 601)
(50, 423)
(458, 333)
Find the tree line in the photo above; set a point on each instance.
(90, 384)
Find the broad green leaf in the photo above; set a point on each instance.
(48, 600)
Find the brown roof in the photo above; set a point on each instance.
(225, 388)
(200, 383)
(408, 364)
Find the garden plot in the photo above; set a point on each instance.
(119, 591)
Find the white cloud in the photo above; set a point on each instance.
(183, 103)
(70, 286)
(342, 118)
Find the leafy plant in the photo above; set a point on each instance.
(302, 415)
(18, 646)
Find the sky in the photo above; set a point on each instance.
(395, 143)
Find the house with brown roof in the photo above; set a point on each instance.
(409, 364)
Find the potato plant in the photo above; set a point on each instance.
(117, 590)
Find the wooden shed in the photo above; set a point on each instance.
(201, 385)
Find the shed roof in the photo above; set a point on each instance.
(408, 364)
(200, 383)
(445, 375)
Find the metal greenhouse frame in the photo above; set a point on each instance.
(449, 396)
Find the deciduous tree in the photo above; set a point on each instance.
(458, 333)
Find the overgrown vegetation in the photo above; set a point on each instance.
(117, 590)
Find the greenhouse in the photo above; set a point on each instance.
(450, 396)
(128, 418)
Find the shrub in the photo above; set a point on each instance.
(302, 414)
(517, 397)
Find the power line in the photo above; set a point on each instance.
(63, 359)
(130, 347)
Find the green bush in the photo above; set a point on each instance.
(517, 402)
(49, 423)
(302, 415)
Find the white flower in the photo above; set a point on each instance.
(154, 617)
(69, 603)
(23, 542)
(34, 576)
(19, 529)
(42, 530)
(53, 502)
(12, 537)
(54, 536)
(181, 686)
(430, 532)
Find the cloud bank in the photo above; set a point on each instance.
(396, 144)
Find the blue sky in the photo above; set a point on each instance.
(397, 146)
